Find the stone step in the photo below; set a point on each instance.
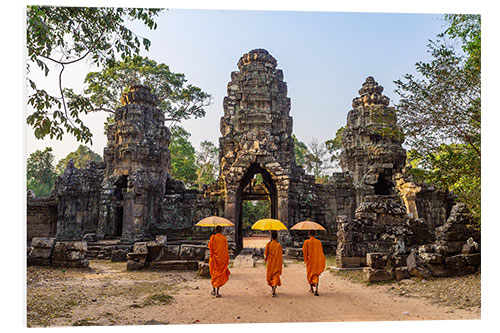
(176, 265)
(244, 260)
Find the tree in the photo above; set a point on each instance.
(206, 163)
(62, 36)
(334, 146)
(182, 163)
(316, 158)
(440, 113)
(80, 157)
(40, 172)
(252, 211)
(179, 100)
(300, 150)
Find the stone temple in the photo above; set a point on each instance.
(130, 197)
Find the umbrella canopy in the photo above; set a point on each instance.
(307, 225)
(269, 224)
(213, 221)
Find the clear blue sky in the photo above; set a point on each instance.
(325, 57)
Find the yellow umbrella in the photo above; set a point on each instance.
(213, 221)
(307, 225)
(269, 224)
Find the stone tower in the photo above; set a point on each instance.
(137, 158)
(256, 135)
(372, 150)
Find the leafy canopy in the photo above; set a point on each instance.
(179, 100)
(182, 163)
(440, 113)
(62, 36)
(40, 173)
(207, 163)
(80, 157)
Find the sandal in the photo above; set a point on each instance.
(218, 295)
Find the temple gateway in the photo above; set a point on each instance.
(130, 197)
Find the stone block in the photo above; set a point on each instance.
(39, 261)
(41, 253)
(473, 259)
(203, 269)
(401, 273)
(455, 246)
(350, 262)
(176, 265)
(68, 256)
(291, 252)
(119, 255)
(43, 242)
(161, 239)
(470, 247)
(91, 237)
(192, 252)
(138, 257)
(457, 261)
(377, 260)
(377, 275)
(133, 265)
(431, 258)
(64, 246)
(140, 248)
(169, 252)
(71, 264)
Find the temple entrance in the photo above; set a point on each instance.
(257, 198)
(251, 212)
(118, 221)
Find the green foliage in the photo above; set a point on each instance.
(179, 100)
(300, 150)
(40, 172)
(207, 163)
(440, 114)
(80, 157)
(454, 167)
(62, 36)
(182, 164)
(252, 211)
(334, 146)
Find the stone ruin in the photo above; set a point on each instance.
(127, 206)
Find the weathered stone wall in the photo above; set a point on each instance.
(182, 209)
(78, 192)
(41, 217)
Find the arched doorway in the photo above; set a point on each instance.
(251, 190)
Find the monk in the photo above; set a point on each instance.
(314, 259)
(274, 259)
(218, 261)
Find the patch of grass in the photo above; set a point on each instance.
(45, 305)
(160, 298)
(330, 261)
(84, 322)
(352, 276)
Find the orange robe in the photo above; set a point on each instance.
(219, 260)
(274, 259)
(314, 259)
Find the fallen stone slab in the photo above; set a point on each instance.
(175, 265)
(377, 275)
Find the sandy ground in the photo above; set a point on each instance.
(259, 241)
(111, 295)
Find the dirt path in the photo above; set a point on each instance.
(246, 299)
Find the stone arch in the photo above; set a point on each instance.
(275, 181)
